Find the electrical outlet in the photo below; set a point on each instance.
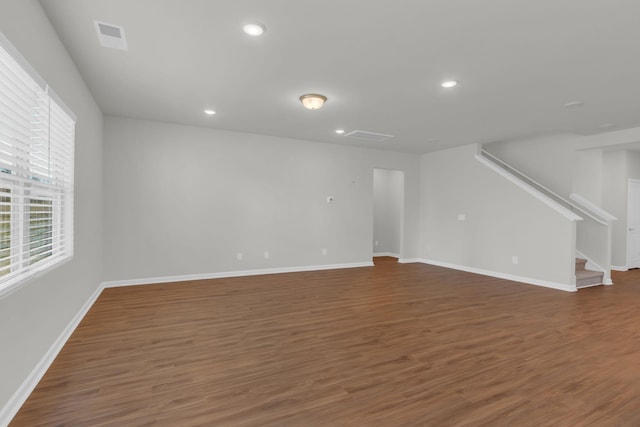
(462, 217)
(324, 251)
(266, 255)
(239, 256)
(376, 243)
(515, 260)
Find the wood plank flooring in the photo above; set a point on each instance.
(388, 345)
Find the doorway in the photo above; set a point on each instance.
(388, 212)
(633, 224)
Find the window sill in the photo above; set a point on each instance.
(18, 282)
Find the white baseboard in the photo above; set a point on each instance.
(521, 279)
(226, 274)
(29, 384)
(409, 260)
(391, 254)
(619, 268)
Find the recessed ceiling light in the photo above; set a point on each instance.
(254, 30)
(209, 112)
(313, 101)
(607, 125)
(340, 131)
(573, 104)
(449, 84)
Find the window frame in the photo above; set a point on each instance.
(33, 199)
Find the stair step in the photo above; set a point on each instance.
(586, 278)
(580, 264)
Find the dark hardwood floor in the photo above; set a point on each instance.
(384, 346)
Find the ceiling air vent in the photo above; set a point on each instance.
(111, 36)
(371, 136)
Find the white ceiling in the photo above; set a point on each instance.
(380, 63)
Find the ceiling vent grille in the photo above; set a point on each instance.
(371, 136)
(111, 36)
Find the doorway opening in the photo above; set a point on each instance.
(388, 214)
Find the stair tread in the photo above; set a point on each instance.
(586, 278)
(581, 274)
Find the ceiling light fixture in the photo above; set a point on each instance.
(209, 112)
(340, 131)
(449, 84)
(254, 30)
(607, 125)
(313, 101)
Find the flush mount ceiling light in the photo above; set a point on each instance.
(449, 84)
(313, 101)
(339, 131)
(254, 30)
(209, 112)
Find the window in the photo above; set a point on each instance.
(36, 173)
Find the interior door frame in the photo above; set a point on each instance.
(628, 225)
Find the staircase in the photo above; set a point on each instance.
(586, 278)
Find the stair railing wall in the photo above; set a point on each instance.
(593, 233)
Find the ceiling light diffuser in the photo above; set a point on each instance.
(209, 112)
(253, 30)
(449, 84)
(340, 131)
(313, 101)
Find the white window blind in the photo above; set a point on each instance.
(36, 173)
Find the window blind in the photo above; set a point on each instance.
(36, 172)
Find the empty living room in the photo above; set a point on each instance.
(337, 213)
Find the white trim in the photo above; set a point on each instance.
(29, 384)
(628, 226)
(409, 260)
(620, 268)
(225, 274)
(527, 280)
(592, 207)
(529, 189)
(391, 254)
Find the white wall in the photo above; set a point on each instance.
(550, 160)
(633, 162)
(588, 175)
(32, 317)
(388, 201)
(184, 200)
(502, 221)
